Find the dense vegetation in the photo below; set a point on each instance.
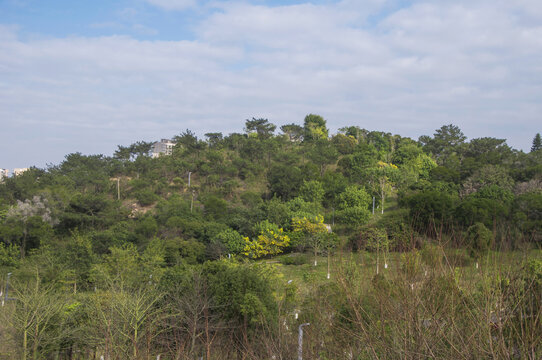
(131, 256)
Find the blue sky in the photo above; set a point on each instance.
(90, 75)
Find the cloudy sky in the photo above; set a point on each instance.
(89, 75)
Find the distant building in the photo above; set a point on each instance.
(162, 147)
(4, 173)
(19, 171)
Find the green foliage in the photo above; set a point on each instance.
(315, 127)
(353, 216)
(215, 207)
(187, 251)
(312, 191)
(478, 209)
(445, 141)
(146, 197)
(354, 196)
(79, 258)
(431, 209)
(537, 143)
(129, 280)
(489, 175)
(146, 226)
(9, 255)
(119, 269)
(353, 206)
(284, 181)
(297, 207)
(293, 131)
(242, 292)
(299, 259)
(528, 214)
(373, 239)
(232, 241)
(261, 127)
(355, 165)
(344, 144)
(480, 239)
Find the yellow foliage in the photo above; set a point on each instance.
(382, 164)
(267, 243)
(311, 226)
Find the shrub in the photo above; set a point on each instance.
(294, 260)
(480, 239)
(145, 197)
(231, 240)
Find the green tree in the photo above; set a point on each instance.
(312, 191)
(537, 143)
(315, 127)
(214, 139)
(30, 221)
(344, 144)
(313, 233)
(261, 127)
(445, 141)
(431, 210)
(322, 153)
(9, 255)
(231, 240)
(384, 177)
(79, 258)
(487, 176)
(243, 296)
(284, 181)
(120, 269)
(293, 131)
(355, 165)
(353, 206)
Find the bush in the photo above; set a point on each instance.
(300, 259)
(354, 216)
(231, 240)
(145, 197)
(480, 239)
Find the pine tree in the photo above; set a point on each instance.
(537, 143)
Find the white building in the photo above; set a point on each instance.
(162, 147)
(4, 173)
(19, 171)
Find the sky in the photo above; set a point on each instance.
(89, 75)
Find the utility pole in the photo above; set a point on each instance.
(189, 173)
(373, 205)
(300, 342)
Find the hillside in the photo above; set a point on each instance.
(189, 253)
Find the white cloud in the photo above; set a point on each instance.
(474, 63)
